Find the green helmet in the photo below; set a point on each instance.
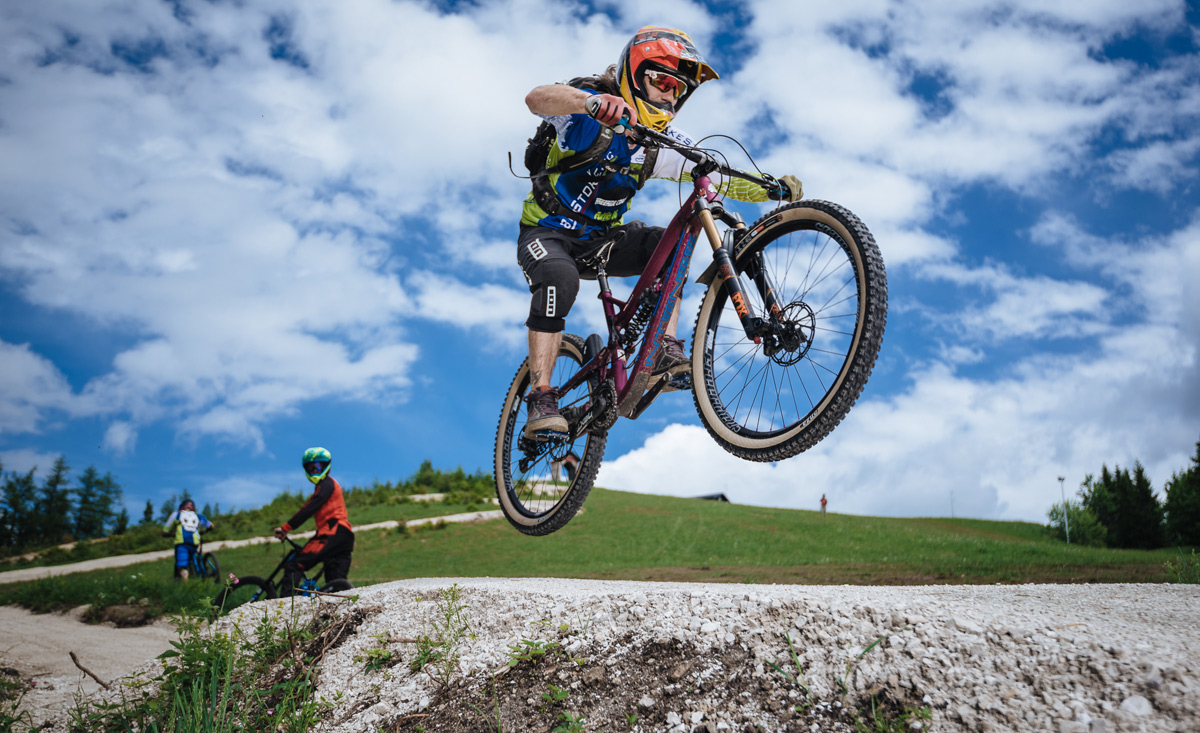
(316, 464)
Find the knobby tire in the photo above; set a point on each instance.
(765, 402)
(244, 590)
(529, 500)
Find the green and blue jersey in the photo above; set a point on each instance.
(599, 193)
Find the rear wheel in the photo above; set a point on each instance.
(528, 473)
(813, 273)
(246, 589)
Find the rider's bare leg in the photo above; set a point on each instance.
(543, 350)
(183, 574)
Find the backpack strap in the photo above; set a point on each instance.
(544, 193)
(647, 167)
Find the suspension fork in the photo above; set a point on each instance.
(754, 326)
(766, 288)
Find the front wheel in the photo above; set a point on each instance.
(210, 569)
(246, 589)
(812, 273)
(529, 473)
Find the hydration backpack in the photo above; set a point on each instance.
(538, 150)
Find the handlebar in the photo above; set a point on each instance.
(705, 162)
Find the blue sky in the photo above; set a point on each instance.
(230, 231)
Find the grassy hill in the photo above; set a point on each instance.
(630, 536)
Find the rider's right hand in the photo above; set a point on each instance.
(609, 110)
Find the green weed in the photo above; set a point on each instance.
(798, 680)
(844, 679)
(570, 724)
(378, 657)
(441, 649)
(1184, 570)
(530, 650)
(881, 721)
(555, 695)
(12, 692)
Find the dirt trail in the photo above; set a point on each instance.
(38, 647)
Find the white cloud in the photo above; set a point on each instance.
(31, 386)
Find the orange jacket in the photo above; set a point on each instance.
(329, 506)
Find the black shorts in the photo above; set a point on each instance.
(550, 259)
(335, 551)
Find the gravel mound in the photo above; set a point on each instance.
(550, 654)
(712, 657)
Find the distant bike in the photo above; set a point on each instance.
(786, 337)
(204, 565)
(250, 588)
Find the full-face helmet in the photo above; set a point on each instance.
(666, 58)
(316, 464)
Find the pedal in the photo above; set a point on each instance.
(547, 436)
(679, 383)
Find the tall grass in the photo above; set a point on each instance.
(261, 679)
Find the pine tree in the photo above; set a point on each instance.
(121, 522)
(1141, 514)
(148, 513)
(54, 505)
(111, 500)
(89, 514)
(18, 525)
(1183, 505)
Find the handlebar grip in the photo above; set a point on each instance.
(776, 190)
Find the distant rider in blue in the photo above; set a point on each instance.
(577, 206)
(186, 525)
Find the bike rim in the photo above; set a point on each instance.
(531, 490)
(765, 390)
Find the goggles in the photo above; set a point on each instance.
(316, 468)
(666, 82)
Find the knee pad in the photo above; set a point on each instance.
(554, 283)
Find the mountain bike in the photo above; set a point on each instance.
(249, 588)
(784, 341)
(204, 565)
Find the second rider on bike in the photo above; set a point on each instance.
(573, 212)
(334, 540)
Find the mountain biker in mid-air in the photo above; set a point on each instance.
(334, 540)
(186, 525)
(590, 175)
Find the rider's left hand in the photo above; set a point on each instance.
(280, 533)
(795, 189)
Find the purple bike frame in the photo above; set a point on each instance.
(679, 239)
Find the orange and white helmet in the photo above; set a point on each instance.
(668, 54)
